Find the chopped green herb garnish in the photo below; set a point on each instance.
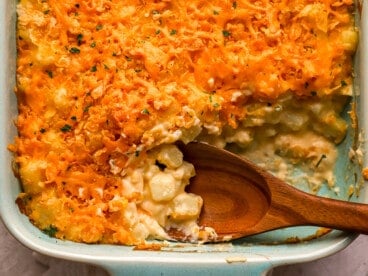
(145, 111)
(343, 83)
(158, 32)
(93, 44)
(155, 12)
(215, 105)
(50, 74)
(137, 152)
(73, 118)
(86, 108)
(173, 32)
(216, 12)
(51, 230)
(128, 58)
(46, 12)
(79, 39)
(99, 27)
(93, 68)
(226, 33)
(66, 128)
(74, 50)
(106, 67)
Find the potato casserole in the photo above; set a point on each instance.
(106, 88)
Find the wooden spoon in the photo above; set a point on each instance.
(242, 199)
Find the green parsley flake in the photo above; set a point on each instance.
(87, 108)
(226, 33)
(50, 74)
(79, 39)
(145, 111)
(66, 128)
(51, 231)
(74, 50)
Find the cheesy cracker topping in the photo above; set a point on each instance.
(106, 87)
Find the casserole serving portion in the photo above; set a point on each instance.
(99, 113)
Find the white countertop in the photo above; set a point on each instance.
(16, 260)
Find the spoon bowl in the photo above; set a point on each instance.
(242, 199)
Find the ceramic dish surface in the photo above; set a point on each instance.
(250, 256)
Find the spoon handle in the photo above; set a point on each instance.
(307, 209)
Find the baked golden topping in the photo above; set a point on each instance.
(105, 87)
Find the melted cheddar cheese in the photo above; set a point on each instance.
(105, 87)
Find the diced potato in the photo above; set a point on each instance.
(163, 187)
(170, 156)
(186, 206)
(349, 38)
(184, 172)
(33, 175)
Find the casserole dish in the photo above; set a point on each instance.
(255, 255)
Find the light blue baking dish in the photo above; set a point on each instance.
(251, 256)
